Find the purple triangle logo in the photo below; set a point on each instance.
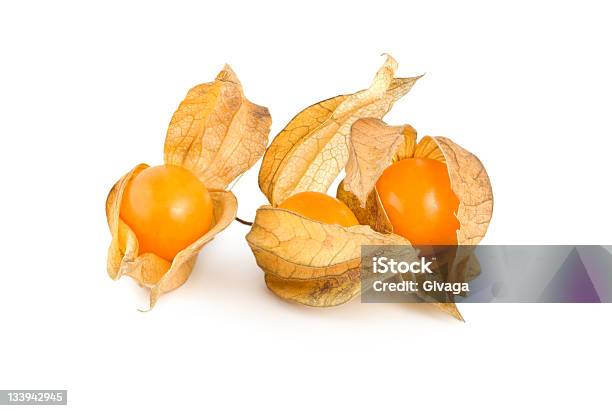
(571, 283)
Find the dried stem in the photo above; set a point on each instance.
(241, 221)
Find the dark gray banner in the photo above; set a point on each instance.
(487, 273)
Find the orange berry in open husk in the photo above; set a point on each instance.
(168, 208)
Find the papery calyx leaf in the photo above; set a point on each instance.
(291, 246)
(372, 145)
(217, 133)
(470, 183)
(310, 262)
(373, 155)
(312, 149)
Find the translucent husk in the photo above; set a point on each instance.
(312, 149)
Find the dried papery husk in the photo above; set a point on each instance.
(373, 214)
(468, 177)
(453, 265)
(309, 153)
(321, 292)
(465, 265)
(148, 269)
(217, 134)
(375, 145)
(470, 183)
(310, 262)
(450, 309)
(369, 156)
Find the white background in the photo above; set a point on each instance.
(87, 91)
